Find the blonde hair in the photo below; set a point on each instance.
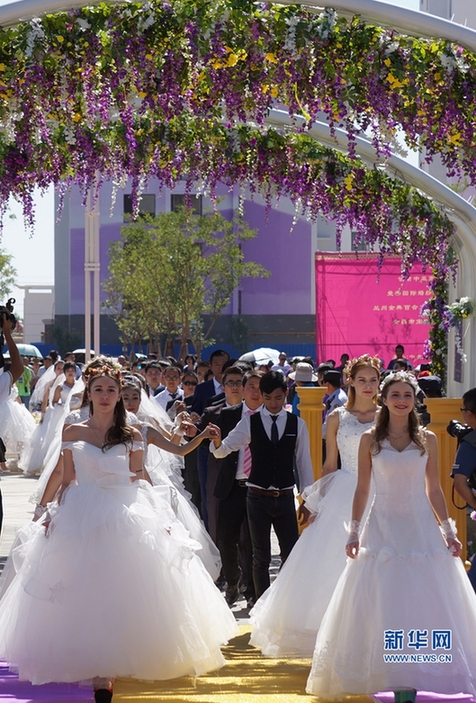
(351, 370)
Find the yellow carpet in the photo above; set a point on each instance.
(248, 677)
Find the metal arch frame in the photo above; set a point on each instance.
(455, 204)
(402, 19)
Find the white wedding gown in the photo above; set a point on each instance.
(159, 464)
(404, 580)
(287, 616)
(115, 589)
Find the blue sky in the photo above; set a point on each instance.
(34, 256)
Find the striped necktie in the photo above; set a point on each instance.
(247, 455)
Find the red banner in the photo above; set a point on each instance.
(360, 309)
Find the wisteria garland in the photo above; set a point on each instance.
(166, 89)
(80, 91)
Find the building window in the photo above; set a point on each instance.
(146, 206)
(357, 245)
(194, 203)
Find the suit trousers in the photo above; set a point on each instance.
(233, 539)
(264, 512)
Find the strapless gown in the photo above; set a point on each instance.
(403, 614)
(114, 589)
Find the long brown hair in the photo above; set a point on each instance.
(119, 432)
(417, 433)
(351, 370)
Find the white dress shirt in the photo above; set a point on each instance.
(240, 436)
(164, 397)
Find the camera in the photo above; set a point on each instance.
(8, 314)
(458, 430)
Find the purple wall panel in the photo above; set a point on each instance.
(287, 255)
(284, 253)
(77, 272)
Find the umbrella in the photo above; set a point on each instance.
(261, 355)
(29, 350)
(80, 355)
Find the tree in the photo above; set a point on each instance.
(170, 273)
(7, 275)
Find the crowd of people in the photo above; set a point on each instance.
(182, 469)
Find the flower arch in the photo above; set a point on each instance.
(173, 87)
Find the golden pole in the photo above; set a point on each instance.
(311, 408)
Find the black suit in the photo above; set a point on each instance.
(209, 502)
(190, 470)
(202, 392)
(234, 540)
(214, 400)
(229, 418)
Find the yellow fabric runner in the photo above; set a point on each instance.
(248, 677)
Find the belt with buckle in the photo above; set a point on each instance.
(242, 482)
(273, 493)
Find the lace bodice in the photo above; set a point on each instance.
(108, 468)
(349, 432)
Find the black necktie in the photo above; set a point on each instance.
(274, 430)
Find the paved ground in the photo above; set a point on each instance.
(16, 490)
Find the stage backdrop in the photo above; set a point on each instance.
(360, 310)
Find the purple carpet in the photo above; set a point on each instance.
(427, 697)
(13, 690)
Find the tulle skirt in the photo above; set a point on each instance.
(17, 426)
(114, 589)
(160, 465)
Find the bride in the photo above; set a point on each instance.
(403, 615)
(111, 586)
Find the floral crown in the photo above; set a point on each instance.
(366, 359)
(112, 370)
(402, 376)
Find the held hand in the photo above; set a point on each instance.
(352, 548)
(211, 431)
(454, 545)
(189, 429)
(46, 523)
(179, 406)
(303, 514)
(195, 417)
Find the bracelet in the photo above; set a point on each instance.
(353, 530)
(40, 510)
(449, 528)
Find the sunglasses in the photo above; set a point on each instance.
(189, 383)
